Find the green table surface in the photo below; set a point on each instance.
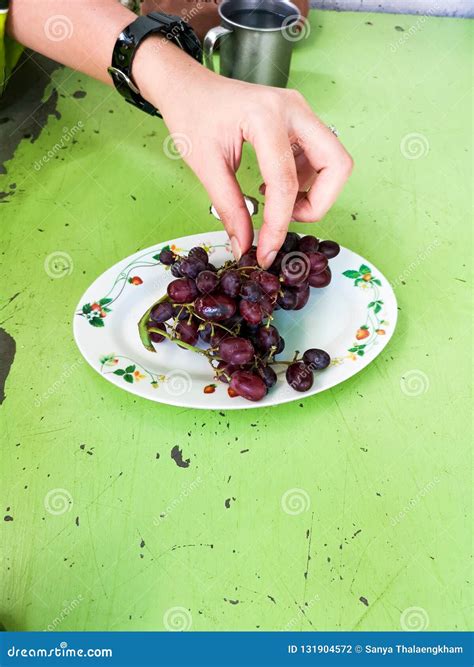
(382, 461)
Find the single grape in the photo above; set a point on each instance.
(167, 257)
(251, 291)
(182, 290)
(320, 279)
(267, 305)
(226, 371)
(276, 265)
(316, 359)
(236, 350)
(176, 269)
(281, 346)
(287, 299)
(191, 266)
(268, 375)
(299, 376)
(205, 333)
(267, 281)
(329, 248)
(162, 312)
(218, 336)
(248, 385)
(267, 337)
(318, 262)
(153, 335)
(188, 331)
(251, 312)
(211, 267)
(295, 268)
(207, 282)
(249, 258)
(301, 288)
(230, 283)
(291, 242)
(308, 244)
(215, 307)
(199, 253)
(302, 297)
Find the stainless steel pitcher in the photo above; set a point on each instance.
(255, 40)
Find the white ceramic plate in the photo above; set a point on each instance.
(352, 319)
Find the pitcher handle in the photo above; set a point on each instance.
(210, 41)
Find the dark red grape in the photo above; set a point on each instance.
(295, 268)
(236, 350)
(226, 371)
(162, 312)
(187, 331)
(318, 262)
(248, 385)
(251, 312)
(230, 283)
(207, 282)
(302, 297)
(316, 359)
(249, 258)
(267, 305)
(180, 313)
(182, 290)
(329, 248)
(211, 267)
(281, 346)
(167, 257)
(268, 375)
(205, 333)
(299, 376)
(218, 336)
(308, 244)
(267, 337)
(251, 291)
(287, 299)
(191, 266)
(320, 279)
(276, 266)
(176, 269)
(291, 242)
(267, 281)
(199, 253)
(153, 335)
(215, 307)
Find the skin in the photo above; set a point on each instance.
(303, 165)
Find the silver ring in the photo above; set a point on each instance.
(333, 129)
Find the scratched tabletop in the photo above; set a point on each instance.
(345, 510)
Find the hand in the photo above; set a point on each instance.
(303, 165)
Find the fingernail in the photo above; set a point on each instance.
(268, 261)
(235, 245)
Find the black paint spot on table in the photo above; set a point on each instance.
(177, 456)
(364, 600)
(79, 94)
(7, 354)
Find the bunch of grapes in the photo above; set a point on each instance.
(229, 312)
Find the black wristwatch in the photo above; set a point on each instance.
(173, 29)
